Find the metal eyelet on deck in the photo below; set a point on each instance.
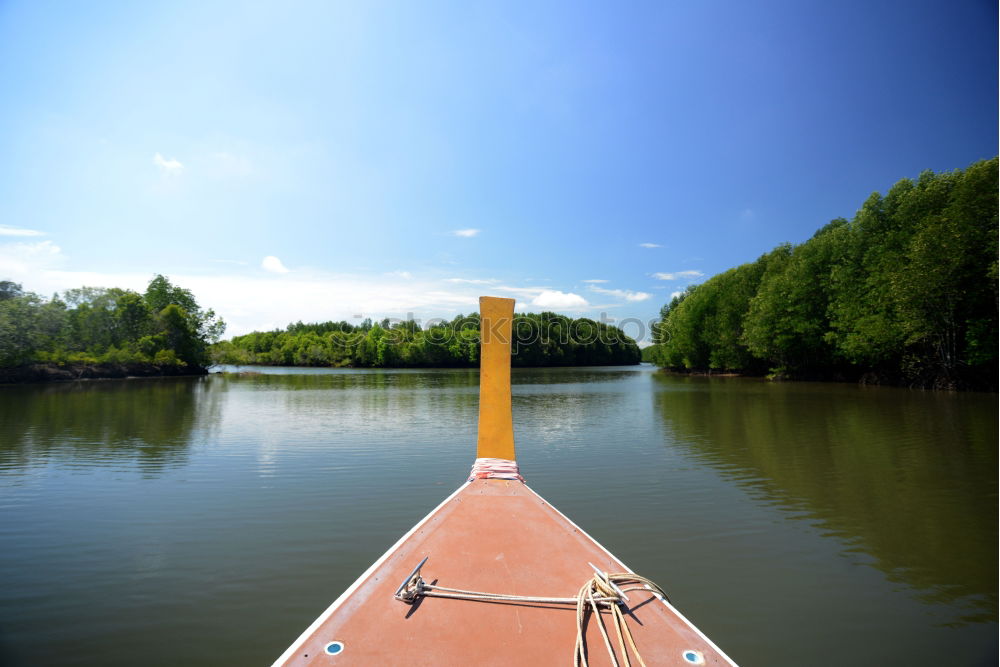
(334, 648)
(694, 657)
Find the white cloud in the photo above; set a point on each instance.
(472, 281)
(650, 245)
(170, 166)
(405, 275)
(249, 302)
(628, 295)
(257, 303)
(273, 265)
(674, 295)
(24, 261)
(6, 230)
(249, 299)
(523, 292)
(595, 280)
(557, 299)
(678, 275)
(465, 233)
(254, 301)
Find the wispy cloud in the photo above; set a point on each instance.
(595, 280)
(678, 275)
(521, 292)
(250, 302)
(650, 245)
(23, 261)
(405, 275)
(561, 300)
(6, 230)
(171, 166)
(258, 302)
(273, 265)
(628, 295)
(465, 233)
(472, 281)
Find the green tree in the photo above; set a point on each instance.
(946, 284)
(132, 316)
(906, 290)
(161, 293)
(787, 319)
(10, 290)
(543, 339)
(181, 338)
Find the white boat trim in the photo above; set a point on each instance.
(666, 602)
(287, 655)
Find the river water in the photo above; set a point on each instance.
(208, 521)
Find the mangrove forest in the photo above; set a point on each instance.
(903, 293)
(104, 332)
(544, 339)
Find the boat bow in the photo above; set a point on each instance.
(519, 567)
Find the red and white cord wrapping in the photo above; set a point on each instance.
(495, 469)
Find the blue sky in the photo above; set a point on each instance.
(319, 160)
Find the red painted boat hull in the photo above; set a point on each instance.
(498, 536)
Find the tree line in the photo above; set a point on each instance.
(544, 339)
(163, 326)
(905, 292)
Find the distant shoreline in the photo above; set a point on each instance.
(867, 379)
(49, 372)
(238, 369)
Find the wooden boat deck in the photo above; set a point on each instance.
(498, 536)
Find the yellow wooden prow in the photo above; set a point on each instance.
(496, 426)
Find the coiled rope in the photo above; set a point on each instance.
(600, 586)
(602, 591)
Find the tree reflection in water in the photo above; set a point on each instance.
(906, 477)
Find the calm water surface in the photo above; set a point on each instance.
(208, 521)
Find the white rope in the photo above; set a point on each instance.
(602, 591)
